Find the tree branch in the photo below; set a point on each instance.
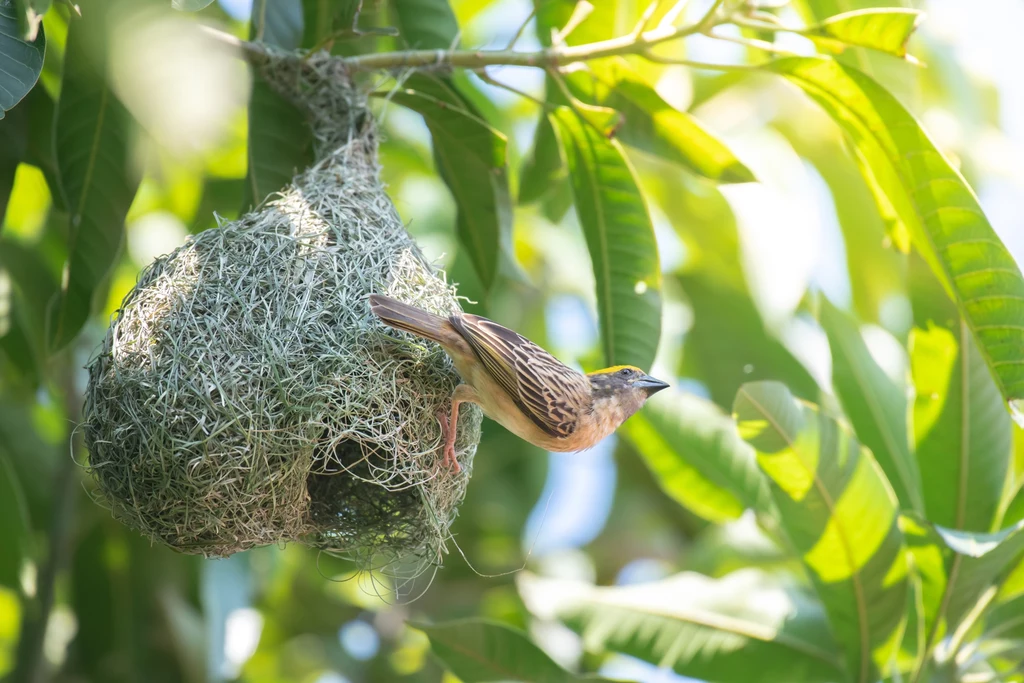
(552, 57)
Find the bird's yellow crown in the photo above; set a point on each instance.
(614, 368)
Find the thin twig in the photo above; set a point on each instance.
(522, 28)
(645, 18)
(554, 57)
(755, 43)
(487, 78)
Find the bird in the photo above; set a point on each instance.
(520, 385)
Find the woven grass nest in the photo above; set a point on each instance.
(244, 394)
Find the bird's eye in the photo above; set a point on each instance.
(625, 372)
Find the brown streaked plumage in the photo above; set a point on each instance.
(520, 385)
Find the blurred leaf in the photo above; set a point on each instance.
(876, 407)
(23, 61)
(426, 24)
(961, 428)
(13, 146)
(958, 569)
(877, 271)
(280, 144)
(620, 237)
(1015, 508)
(654, 126)
(944, 219)
(327, 18)
(471, 158)
(280, 140)
(1006, 620)
(278, 23)
(886, 29)
(15, 526)
(544, 168)
(190, 5)
(711, 629)
(479, 651)
(840, 513)
(32, 282)
(697, 457)
(40, 111)
(30, 17)
(92, 146)
(30, 456)
(729, 344)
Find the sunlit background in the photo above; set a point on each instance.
(283, 614)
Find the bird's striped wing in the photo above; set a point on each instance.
(547, 391)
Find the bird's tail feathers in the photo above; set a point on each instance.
(409, 318)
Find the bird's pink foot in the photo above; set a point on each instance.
(448, 434)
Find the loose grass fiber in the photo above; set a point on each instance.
(245, 395)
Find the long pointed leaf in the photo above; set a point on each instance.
(886, 29)
(961, 429)
(479, 651)
(426, 24)
(620, 237)
(21, 61)
(877, 408)
(92, 135)
(840, 513)
(651, 124)
(697, 458)
(712, 629)
(937, 206)
(280, 143)
(958, 569)
(471, 158)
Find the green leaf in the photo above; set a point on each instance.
(620, 238)
(280, 143)
(190, 5)
(22, 60)
(278, 23)
(653, 126)
(426, 24)
(704, 628)
(544, 169)
(471, 158)
(697, 457)
(961, 429)
(23, 333)
(877, 407)
(13, 146)
(40, 111)
(939, 209)
(959, 569)
(729, 343)
(15, 526)
(885, 29)
(1015, 508)
(479, 651)
(93, 165)
(839, 512)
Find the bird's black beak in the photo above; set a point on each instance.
(650, 384)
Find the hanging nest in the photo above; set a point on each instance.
(245, 395)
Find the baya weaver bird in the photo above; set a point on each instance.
(520, 385)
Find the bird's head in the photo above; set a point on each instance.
(625, 386)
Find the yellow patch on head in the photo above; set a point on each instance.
(614, 368)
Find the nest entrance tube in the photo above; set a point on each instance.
(245, 395)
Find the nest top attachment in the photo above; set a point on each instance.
(245, 395)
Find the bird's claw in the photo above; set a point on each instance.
(449, 443)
